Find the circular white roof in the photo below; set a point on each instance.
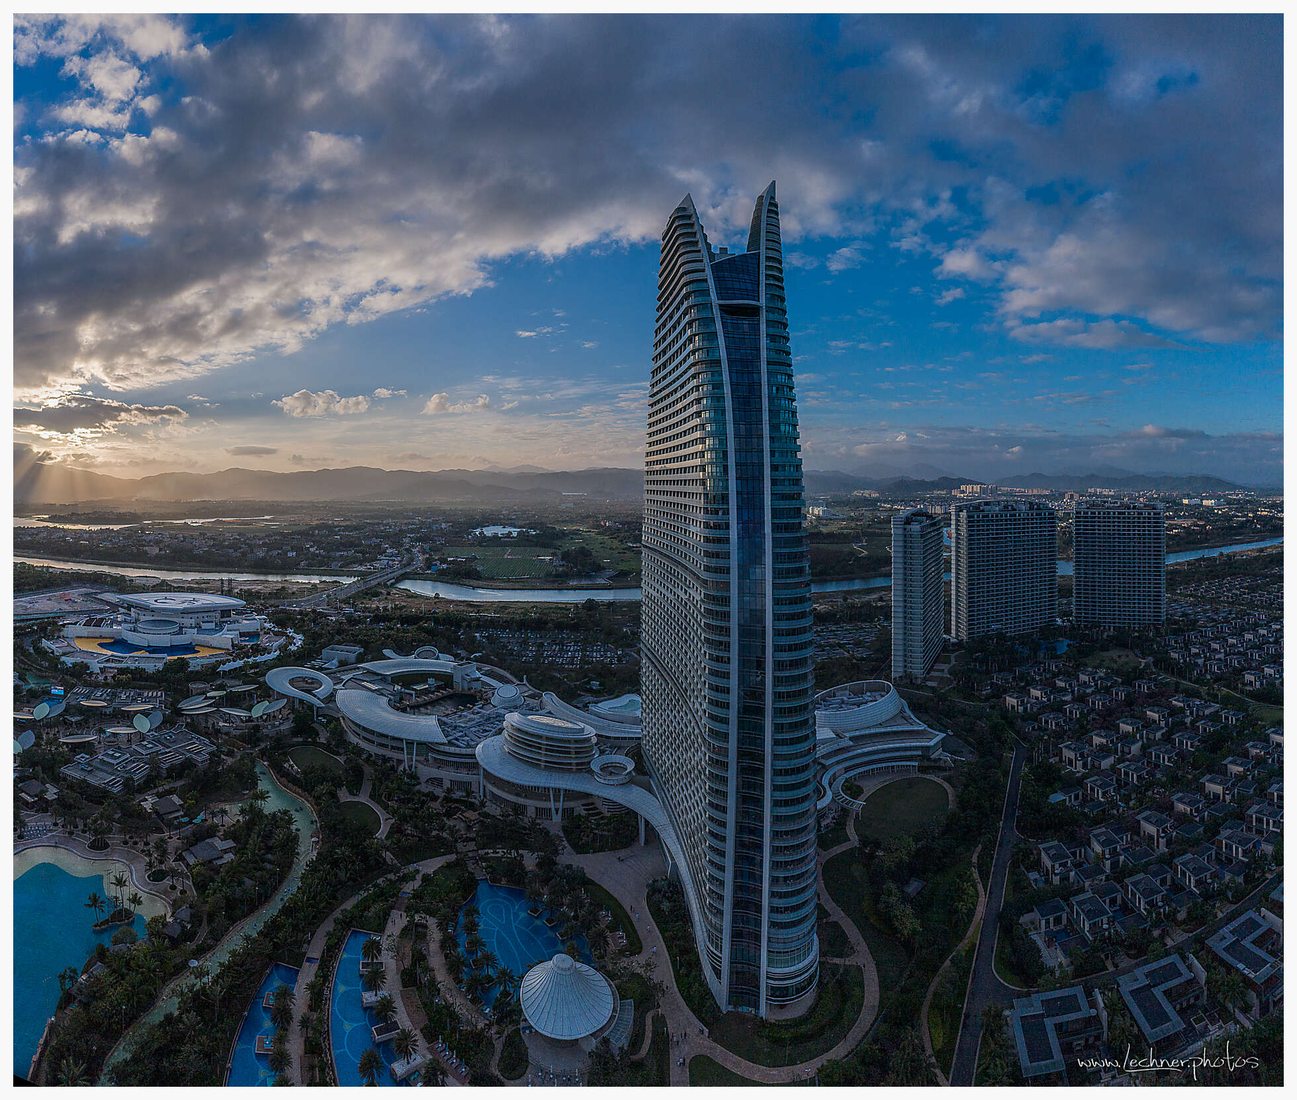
(190, 602)
(565, 999)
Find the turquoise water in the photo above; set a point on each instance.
(517, 939)
(349, 1023)
(52, 930)
(247, 1067)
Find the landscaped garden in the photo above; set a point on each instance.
(312, 756)
(902, 808)
(362, 814)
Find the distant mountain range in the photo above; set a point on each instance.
(51, 483)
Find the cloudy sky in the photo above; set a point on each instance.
(1013, 243)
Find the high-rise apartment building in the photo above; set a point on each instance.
(1119, 563)
(1003, 567)
(728, 727)
(918, 592)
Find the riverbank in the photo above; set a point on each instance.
(483, 593)
(196, 572)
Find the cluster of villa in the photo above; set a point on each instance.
(1168, 1000)
(1246, 644)
(1149, 856)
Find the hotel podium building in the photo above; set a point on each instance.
(1003, 567)
(1119, 563)
(918, 593)
(728, 724)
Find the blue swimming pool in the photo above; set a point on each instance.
(247, 1067)
(517, 939)
(117, 645)
(52, 930)
(349, 1023)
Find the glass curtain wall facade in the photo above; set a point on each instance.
(728, 727)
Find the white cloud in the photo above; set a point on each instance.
(441, 403)
(304, 403)
(383, 392)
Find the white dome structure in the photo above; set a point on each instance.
(566, 1000)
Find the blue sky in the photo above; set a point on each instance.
(1013, 243)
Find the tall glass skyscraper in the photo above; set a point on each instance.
(728, 727)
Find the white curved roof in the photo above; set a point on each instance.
(374, 712)
(565, 999)
(278, 680)
(186, 602)
(425, 652)
(547, 725)
(398, 666)
(603, 723)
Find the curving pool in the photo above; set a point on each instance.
(517, 939)
(349, 1022)
(53, 929)
(247, 1067)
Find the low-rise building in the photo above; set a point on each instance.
(1051, 1030)
(1161, 995)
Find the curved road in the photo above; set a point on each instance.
(984, 988)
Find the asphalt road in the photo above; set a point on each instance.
(984, 988)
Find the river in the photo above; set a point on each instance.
(470, 594)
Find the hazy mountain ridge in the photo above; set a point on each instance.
(49, 483)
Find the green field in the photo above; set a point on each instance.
(506, 561)
(305, 756)
(363, 814)
(902, 808)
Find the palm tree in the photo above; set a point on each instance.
(95, 902)
(372, 949)
(280, 1058)
(135, 901)
(72, 1073)
(385, 1009)
(281, 1010)
(373, 980)
(120, 881)
(403, 1044)
(369, 1065)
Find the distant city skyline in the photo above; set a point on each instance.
(1013, 244)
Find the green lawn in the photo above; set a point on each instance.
(833, 940)
(947, 1007)
(507, 561)
(620, 918)
(305, 756)
(787, 1042)
(837, 833)
(504, 563)
(363, 814)
(902, 808)
(513, 1056)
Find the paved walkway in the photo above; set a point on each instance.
(626, 876)
(315, 950)
(384, 818)
(984, 986)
